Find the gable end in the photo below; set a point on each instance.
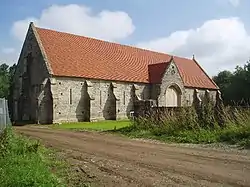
(41, 48)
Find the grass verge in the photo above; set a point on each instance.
(25, 162)
(99, 126)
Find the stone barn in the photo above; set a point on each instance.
(64, 77)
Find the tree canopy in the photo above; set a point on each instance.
(235, 86)
(6, 78)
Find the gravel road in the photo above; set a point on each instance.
(110, 160)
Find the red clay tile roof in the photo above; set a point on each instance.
(79, 56)
(156, 72)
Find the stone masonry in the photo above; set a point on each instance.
(69, 98)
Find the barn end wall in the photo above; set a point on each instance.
(30, 98)
(69, 98)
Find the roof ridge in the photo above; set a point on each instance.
(125, 45)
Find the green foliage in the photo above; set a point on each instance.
(6, 83)
(236, 134)
(235, 85)
(6, 78)
(24, 163)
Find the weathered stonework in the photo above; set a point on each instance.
(29, 81)
(73, 97)
(101, 97)
(189, 92)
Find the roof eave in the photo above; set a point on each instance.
(200, 87)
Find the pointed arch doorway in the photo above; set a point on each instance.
(173, 96)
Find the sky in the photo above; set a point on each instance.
(216, 32)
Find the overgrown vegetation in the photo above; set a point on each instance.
(25, 162)
(188, 126)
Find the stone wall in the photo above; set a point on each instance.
(29, 80)
(79, 99)
(189, 95)
(71, 97)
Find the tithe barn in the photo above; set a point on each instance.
(65, 77)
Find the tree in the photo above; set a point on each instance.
(6, 78)
(235, 86)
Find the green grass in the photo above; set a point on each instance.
(24, 162)
(99, 126)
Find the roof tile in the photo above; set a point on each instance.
(79, 56)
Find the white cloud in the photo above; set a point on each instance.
(217, 44)
(79, 19)
(235, 3)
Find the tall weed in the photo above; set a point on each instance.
(189, 125)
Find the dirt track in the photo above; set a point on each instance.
(109, 160)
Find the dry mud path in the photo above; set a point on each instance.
(110, 160)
